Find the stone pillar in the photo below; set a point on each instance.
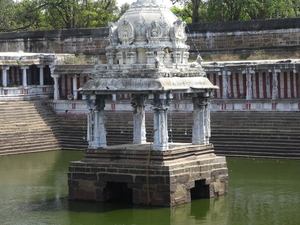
(207, 118)
(225, 84)
(139, 129)
(131, 58)
(249, 72)
(41, 74)
(110, 58)
(160, 55)
(275, 84)
(75, 94)
(176, 56)
(201, 118)
(186, 57)
(119, 56)
(150, 57)
(56, 87)
(4, 75)
(24, 78)
(96, 121)
(161, 103)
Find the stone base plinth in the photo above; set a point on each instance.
(144, 176)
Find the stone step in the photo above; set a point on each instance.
(27, 126)
(25, 151)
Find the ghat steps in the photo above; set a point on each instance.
(244, 134)
(27, 126)
(32, 126)
(256, 134)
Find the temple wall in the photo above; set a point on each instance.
(243, 37)
(74, 41)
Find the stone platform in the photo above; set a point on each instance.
(135, 173)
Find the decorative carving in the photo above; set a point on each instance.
(154, 31)
(197, 62)
(167, 56)
(140, 28)
(112, 34)
(125, 32)
(98, 66)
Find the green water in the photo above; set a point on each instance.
(33, 190)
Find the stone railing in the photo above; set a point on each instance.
(27, 93)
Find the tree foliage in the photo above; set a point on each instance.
(231, 10)
(56, 14)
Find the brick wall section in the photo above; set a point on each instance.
(273, 36)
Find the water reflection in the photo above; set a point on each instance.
(33, 190)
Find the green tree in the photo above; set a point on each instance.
(53, 14)
(231, 10)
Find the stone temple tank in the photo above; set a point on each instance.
(148, 59)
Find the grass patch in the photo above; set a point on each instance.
(81, 59)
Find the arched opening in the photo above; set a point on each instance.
(118, 191)
(201, 190)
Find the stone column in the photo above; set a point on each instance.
(161, 103)
(249, 72)
(41, 67)
(24, 78)
(56, 87)
(275, 84)
(186, 57)
(207, 118)
(225, 84)
(75, 94)
(201, 117)
(139, 129)
(96, 121)
(110, 58)
(150, 57)
(160, 55)
(119, 56)
(176, 56)
(4, 75)
(131, 57)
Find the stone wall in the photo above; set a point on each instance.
(243, 37)
(74, 41)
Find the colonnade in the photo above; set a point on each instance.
(24, 69)
(255, 82)
(160, 102)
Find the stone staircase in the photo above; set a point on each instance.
(73, 132)
(26, 127)
(256, 134)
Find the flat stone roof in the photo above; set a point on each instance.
(21, 58)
